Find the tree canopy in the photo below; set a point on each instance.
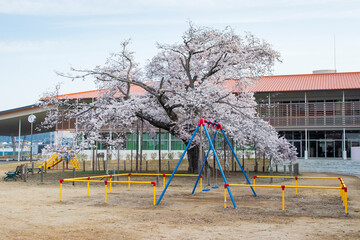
(205, 75)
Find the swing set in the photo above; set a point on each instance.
(217, 126)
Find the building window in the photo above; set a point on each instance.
(177, 144)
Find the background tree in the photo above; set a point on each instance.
(184, 82)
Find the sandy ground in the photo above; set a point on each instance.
(33, 211)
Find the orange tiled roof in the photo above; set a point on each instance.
(95, 93)
(308, 82)
(280, 83)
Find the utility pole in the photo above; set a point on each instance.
(31, 120)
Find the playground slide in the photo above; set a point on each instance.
(55, 159)
(75, 162)
(52, 161)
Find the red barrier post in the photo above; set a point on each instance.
(283, 197)
(105, 191)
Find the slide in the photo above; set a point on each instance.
(55, 159)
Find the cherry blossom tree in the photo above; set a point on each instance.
(205, 75)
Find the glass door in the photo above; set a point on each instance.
(321, 151)
(313, 149)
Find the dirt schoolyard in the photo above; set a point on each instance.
(32, 210)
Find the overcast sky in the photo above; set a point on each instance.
(39, 37)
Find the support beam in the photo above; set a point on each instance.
(306, 152)
(344, 153)
(13, 144)
(19, 147)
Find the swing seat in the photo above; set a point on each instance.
(214, 187)
(206, 190)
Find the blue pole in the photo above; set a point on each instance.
(218, 163)
(202, 167)
(178, 164)
(242, 169)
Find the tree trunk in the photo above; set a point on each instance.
(141, 143)
(137, 145)
(159, 150)
(193, 158)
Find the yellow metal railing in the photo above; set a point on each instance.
(145, 174)
(88, 181)
(343, 191)
(164, 177)
(296, 180)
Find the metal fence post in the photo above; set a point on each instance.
(208, 175)
(114, 172)
(21, 171)
(42, 174)
(74, 175)
(290, 169)
(25, 173)
(296, 169)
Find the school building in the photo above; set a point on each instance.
(319, 113)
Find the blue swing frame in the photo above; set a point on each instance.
(202, 122)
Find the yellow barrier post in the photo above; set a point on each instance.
(200, 183)
(340, 187)
(225, 187)
(345, 200)
(88, 187)
(296, 183)
(129, 179)
(254, 181)
(154, 184)
(61, 181)
(110, 182)
(164, 181)
(342, 192)
(105, 191)
(283, 197)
